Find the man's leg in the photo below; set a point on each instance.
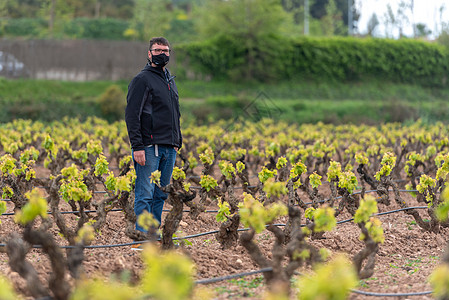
(144, 189)
(166, 164)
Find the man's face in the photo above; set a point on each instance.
(157, 49)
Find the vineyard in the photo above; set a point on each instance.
(337, 212)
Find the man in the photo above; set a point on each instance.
(152, 118)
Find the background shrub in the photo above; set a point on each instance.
(113, 103)
(27, 27)
(103, 28)
(338, 59)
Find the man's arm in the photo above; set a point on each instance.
(135, 99)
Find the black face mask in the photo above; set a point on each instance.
(160, 60)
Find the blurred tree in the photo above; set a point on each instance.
(242, 19)
(151, 18)
(296, 7)
(3, 9)
(332, 22)
(412, 10)
(253, 29)
(19, 8)
(187, 5)
(68, 9)
(421, 30)
(389, 22)
(122, 9)
(59, 11)
(402, 16)
(318, 9)
(443, 38)
(372, 24)
(439, 23)
(79, 8)
(398, 20)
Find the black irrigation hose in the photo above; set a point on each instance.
(236, 187)
(239, 230)
(193, 187)
(401, 209)
(92, 211)
(215, 211)
(359, 192)
(244, 274)
(249, 273)
(222, 278)
(146, 241)
(216, 231)
(68, 212)
(95, 192)
(239, 275)
(228, 277)
(387, 213)
(88, 247)
(212, 232)
(391, 294)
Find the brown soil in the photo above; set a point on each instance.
(404, 262)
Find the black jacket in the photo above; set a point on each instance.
(152, 110)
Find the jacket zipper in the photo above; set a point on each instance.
(173, 112)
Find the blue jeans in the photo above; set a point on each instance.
(147, 195)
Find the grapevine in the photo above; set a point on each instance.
(253, 179)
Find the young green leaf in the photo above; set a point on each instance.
(36, 206)
(332, 281)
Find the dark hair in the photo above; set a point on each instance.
(160, 41)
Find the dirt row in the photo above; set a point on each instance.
(404, 262)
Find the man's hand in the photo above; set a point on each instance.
(139, 157)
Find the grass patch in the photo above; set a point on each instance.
(370, 90)
(202, 102)
(30, 90)
(242, 287)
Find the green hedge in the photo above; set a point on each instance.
(25, 27)
(405, 61)
(334, 59)
(103, 28)
(216, 57)
(225, 57)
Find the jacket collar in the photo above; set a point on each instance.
(149, 67)
(159, 71)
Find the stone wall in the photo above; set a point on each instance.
(76, 60)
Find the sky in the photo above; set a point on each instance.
(425, 11)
